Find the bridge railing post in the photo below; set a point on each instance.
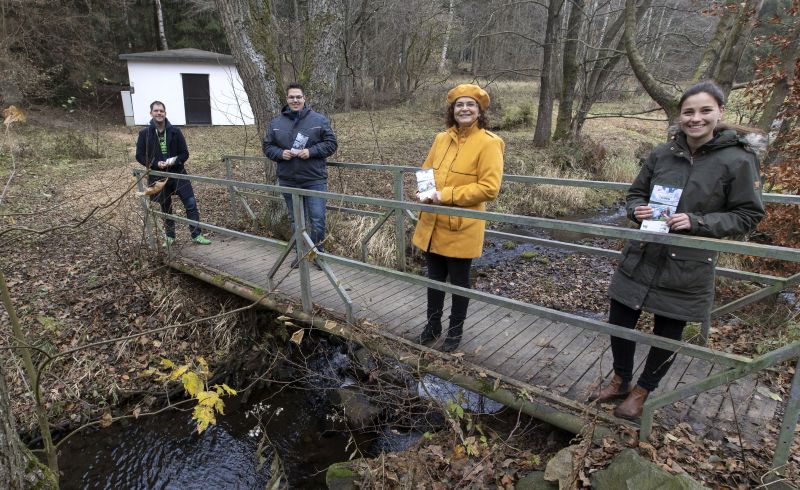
(231, 189)
(148, 225)
(399, 222)
(298, 213)
(789, 425)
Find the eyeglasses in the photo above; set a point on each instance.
(295, 97)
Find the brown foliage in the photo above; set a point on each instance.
(782, 172)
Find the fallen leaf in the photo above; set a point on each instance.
(769, 394)
(297, 337)
(106, 420)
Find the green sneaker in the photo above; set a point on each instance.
(168, 241)
(201, 240)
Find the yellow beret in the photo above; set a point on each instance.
(469, 90)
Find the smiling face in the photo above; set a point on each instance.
(158, 113)
(465, 111)
(700, 114)
(295, 99)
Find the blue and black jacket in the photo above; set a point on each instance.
(321, 144)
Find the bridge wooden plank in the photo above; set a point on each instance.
(516, 352)
(483, 337)
(571, 363)
(499, 343)
(580, 377)
(537, 368)
(564, 358)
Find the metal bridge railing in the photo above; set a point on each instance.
(736, 366)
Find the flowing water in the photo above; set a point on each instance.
(165, 451)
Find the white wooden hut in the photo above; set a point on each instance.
(197, 87)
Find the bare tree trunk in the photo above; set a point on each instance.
(254, 48)
(608, 58)
(450, 14)
(570, 77)
(736, 43)
(544, 117)
(323, 52)
(788, 63)
(12, 458)
(664, 96)
(19, 468)
(162, 36)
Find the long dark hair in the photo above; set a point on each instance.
(714, 90)
(450, 117)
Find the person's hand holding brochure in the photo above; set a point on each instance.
(299, 144)
(664, 202)
(426, 184)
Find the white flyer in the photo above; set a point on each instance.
(299, 143)
(664, 202)
(426, 184)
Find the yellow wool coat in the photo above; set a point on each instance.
(468, 168)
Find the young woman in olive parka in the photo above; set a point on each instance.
(718, 171)
(467, 162)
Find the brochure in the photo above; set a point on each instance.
(299, 143)
(664, 201)
(426, 184)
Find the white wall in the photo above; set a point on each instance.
(158, 80)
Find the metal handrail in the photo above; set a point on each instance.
(739, 365)
(527, 179)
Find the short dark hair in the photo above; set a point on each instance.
(155, 103)
(707, 87)
(296, 85)
(450, 117)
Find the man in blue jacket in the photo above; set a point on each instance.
(299, 140)
(161, 147)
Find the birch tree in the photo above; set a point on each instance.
(162, 35)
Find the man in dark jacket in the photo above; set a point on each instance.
(161, 147)
(299, 140)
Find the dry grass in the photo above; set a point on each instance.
(347, 232)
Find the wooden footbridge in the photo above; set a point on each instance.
(542, 360)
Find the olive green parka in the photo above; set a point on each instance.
(468, 168)
(722, 196)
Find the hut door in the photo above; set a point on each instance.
(196, 99)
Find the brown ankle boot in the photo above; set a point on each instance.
(614, 390)
(631, 408)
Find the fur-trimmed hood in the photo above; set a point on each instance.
(753, 142)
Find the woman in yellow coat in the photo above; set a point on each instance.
(467, 161)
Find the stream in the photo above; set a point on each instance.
(299, 420)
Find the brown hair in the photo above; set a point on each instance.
(450, 118)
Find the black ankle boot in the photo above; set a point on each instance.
(453, 337)
(430, 333)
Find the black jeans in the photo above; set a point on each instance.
(658, 360)
(439, 269)
(183, 188)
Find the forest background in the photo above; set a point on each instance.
(581, 88)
